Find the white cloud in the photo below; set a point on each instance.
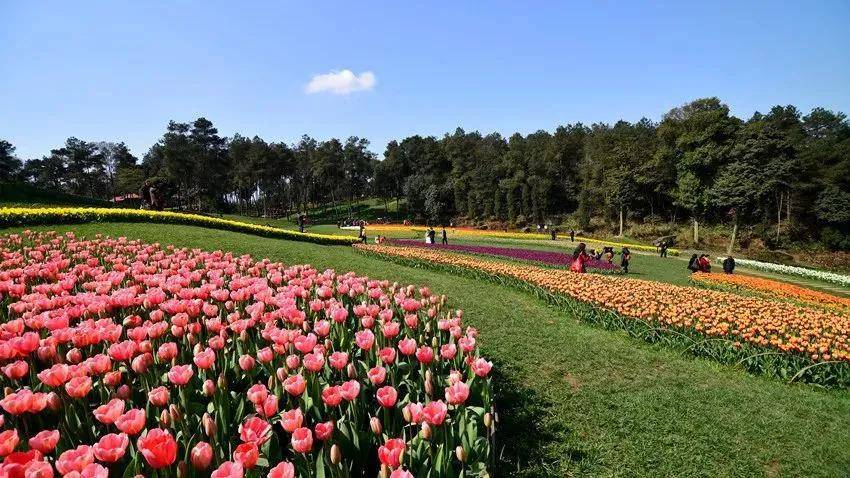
(341, 82)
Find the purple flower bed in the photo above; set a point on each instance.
(546, 257)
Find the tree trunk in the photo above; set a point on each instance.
(779, 217)
(732, 240)
(621, 222)
(696, 231)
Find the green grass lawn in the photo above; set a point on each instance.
(582, 401)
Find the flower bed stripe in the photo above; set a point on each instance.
(10, 217)
(546, 257)
(767, 337)
(773, 288)
(797, 271)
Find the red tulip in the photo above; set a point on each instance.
(180, 374)
(435, 412)
(247, 454)
(16, 370)
(8, 441)
(295, 385)
(78, 387)
(255, 430)
(158, 447)
(108, 413)
(302, 440)
(159, 396)
(324, 431)
(202, 455)
(132, 422)
(228, 469)
(457, 393)
(290, 420)
(390, 452)
(387, 396)
(331, 396)
(246, 362)
(74, 460)
(45, 441)
(283, 469)
(111, 447)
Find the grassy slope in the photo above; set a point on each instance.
(580, 400)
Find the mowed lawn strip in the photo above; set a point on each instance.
(576, 399)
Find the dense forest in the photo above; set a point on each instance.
(782, 176)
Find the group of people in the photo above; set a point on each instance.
(581, 256)
(151, 196)
(701, 263)
(431, 236)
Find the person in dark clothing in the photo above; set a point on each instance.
(432, 235)
(625, 257)
(554, 233)
(445, 239)
(692, 263)
(572, 236)
(664, 249)
(729, 265)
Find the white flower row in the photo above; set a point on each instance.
(797, 271)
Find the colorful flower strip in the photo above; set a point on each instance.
(788, 338)
(478, 233)
(546, 257)
(797, 271)
(10, 217)
(211, 362)
(773, 288)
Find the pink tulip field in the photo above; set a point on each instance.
(121, 358)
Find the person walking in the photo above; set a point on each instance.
(554, 233)
(664, 249)
(572, 236)
(625, 257)
(445, 239)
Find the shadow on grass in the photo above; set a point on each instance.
(529, 440)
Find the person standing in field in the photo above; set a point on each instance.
(664, 249)
(572, 236)
(625, 257)
(580, 257)
(692, 263)
(554, 233)
(729, 265)
(445, 239)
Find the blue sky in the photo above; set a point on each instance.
(119, 70)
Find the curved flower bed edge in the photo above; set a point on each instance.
(757, 360)
(11, 217)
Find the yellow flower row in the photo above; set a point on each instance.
(478, 233)
(68, 215)
(774, 288)
(820, 334)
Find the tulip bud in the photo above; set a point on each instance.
(175, 413)
(123, 392)
(281, 374)
(425, 431)
(209, 388)
(429, 386)
(405, 412)
(352, 371)
(375, 423)
(128, 321)
(165, 419)
(305, 326)
(182, 470)
(243, 336)
(74, 356)
(54, 403)
(222, 382)
(336, 454)
(192, 339)
(208, 425)
(7, 391)
(385, 472)
(460, 453)
(488, 419)
(271, 382)
(434, 342)
(202, 455)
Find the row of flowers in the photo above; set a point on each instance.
(772, 288)
(832, 277)
(546, 257)
(122, 358)
(814, 333)
(65, 215)
(464, 232)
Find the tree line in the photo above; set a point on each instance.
(783, 173)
